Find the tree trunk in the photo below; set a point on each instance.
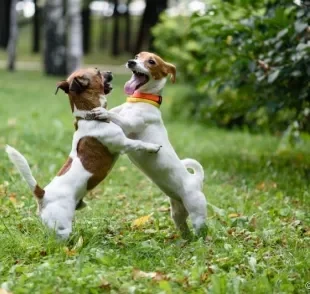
(86, 23)
(4, 22)
(36, 25)
(103, 32)
(55, 38)
(149, 19)
(13, 37)
(115, 37)
(127, 30)
(75, 42)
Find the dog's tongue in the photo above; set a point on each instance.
(133, 83)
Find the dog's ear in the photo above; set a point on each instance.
(79, 84)
(170, 69)
(63, 85)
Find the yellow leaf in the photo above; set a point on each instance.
(79, 244)
(266, 185)
(164, 209)
(121, 196)
(139, 222)
(13, 198)
(223, 259)
(69, 252)
(260, 186)
(156, 276)
(233, 215)
(141, 274)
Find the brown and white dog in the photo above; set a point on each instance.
(140, 119)
(95, 148)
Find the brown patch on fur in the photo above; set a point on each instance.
(65, 167)
(96, 158)
(86, 86)
(160, 69)
(38, 192)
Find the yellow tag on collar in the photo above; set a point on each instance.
(133, 99)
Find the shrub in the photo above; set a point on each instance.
(246, 62)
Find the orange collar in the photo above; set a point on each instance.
(155, 100)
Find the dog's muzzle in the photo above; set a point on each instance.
(131, 63)
(108, 76)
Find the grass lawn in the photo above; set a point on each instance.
(258, 242)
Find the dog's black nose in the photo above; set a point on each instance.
(108, 76)
(131, 63)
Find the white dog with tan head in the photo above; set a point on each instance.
(140, 118)
(95, 148)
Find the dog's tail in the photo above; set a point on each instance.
(196, 167)
(22, 166)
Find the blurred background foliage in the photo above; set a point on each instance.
(245, 64)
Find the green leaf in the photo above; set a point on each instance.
(273, 76)
(282, 33)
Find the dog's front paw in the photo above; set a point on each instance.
(90, 116)
(153, 148)
(100, 113)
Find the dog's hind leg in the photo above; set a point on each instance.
(196, 205)
(179, 215)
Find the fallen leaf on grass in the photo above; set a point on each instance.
(104, 284)
(160, 277)
(139, 222)
(156, 276)
(172, 237)
(78, 244)
(3, 291)
(164, 209)
(204, 277)
(69, 252)
(263, 185)
(307, 233)
(121, 196)
(234, 215)
(222, 259)
(12, 198)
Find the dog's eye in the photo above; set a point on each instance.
(151, 61)
(136, 57)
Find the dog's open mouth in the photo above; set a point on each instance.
(137, 80)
